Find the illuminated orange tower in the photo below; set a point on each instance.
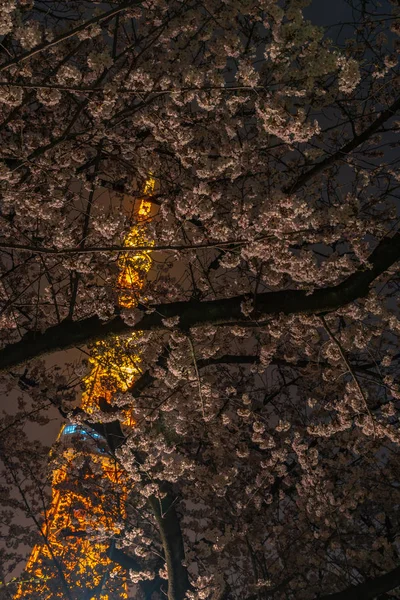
(88, 487)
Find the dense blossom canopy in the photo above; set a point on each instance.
(264, 461)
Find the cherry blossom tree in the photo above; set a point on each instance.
(265, 454)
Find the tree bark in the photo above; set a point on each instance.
(171, 538)
(219, 312)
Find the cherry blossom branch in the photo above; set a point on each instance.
(344, 150)
(28, 97)
(74, 274)
(226, 311)
(158, 91)
(128, 249)
(68, 34)
(146, 379)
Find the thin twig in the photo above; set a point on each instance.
(349, 368)
(197, 373)
(135, 91)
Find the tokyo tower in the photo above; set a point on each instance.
(88, 486)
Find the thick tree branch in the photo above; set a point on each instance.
(130, 563)
(370, 589)
(124, 560)
(146, 379)
(223, 593)
(171, 538)
(219, 312)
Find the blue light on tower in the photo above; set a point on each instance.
(72, 429)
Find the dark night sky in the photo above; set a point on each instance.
(323, 12)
